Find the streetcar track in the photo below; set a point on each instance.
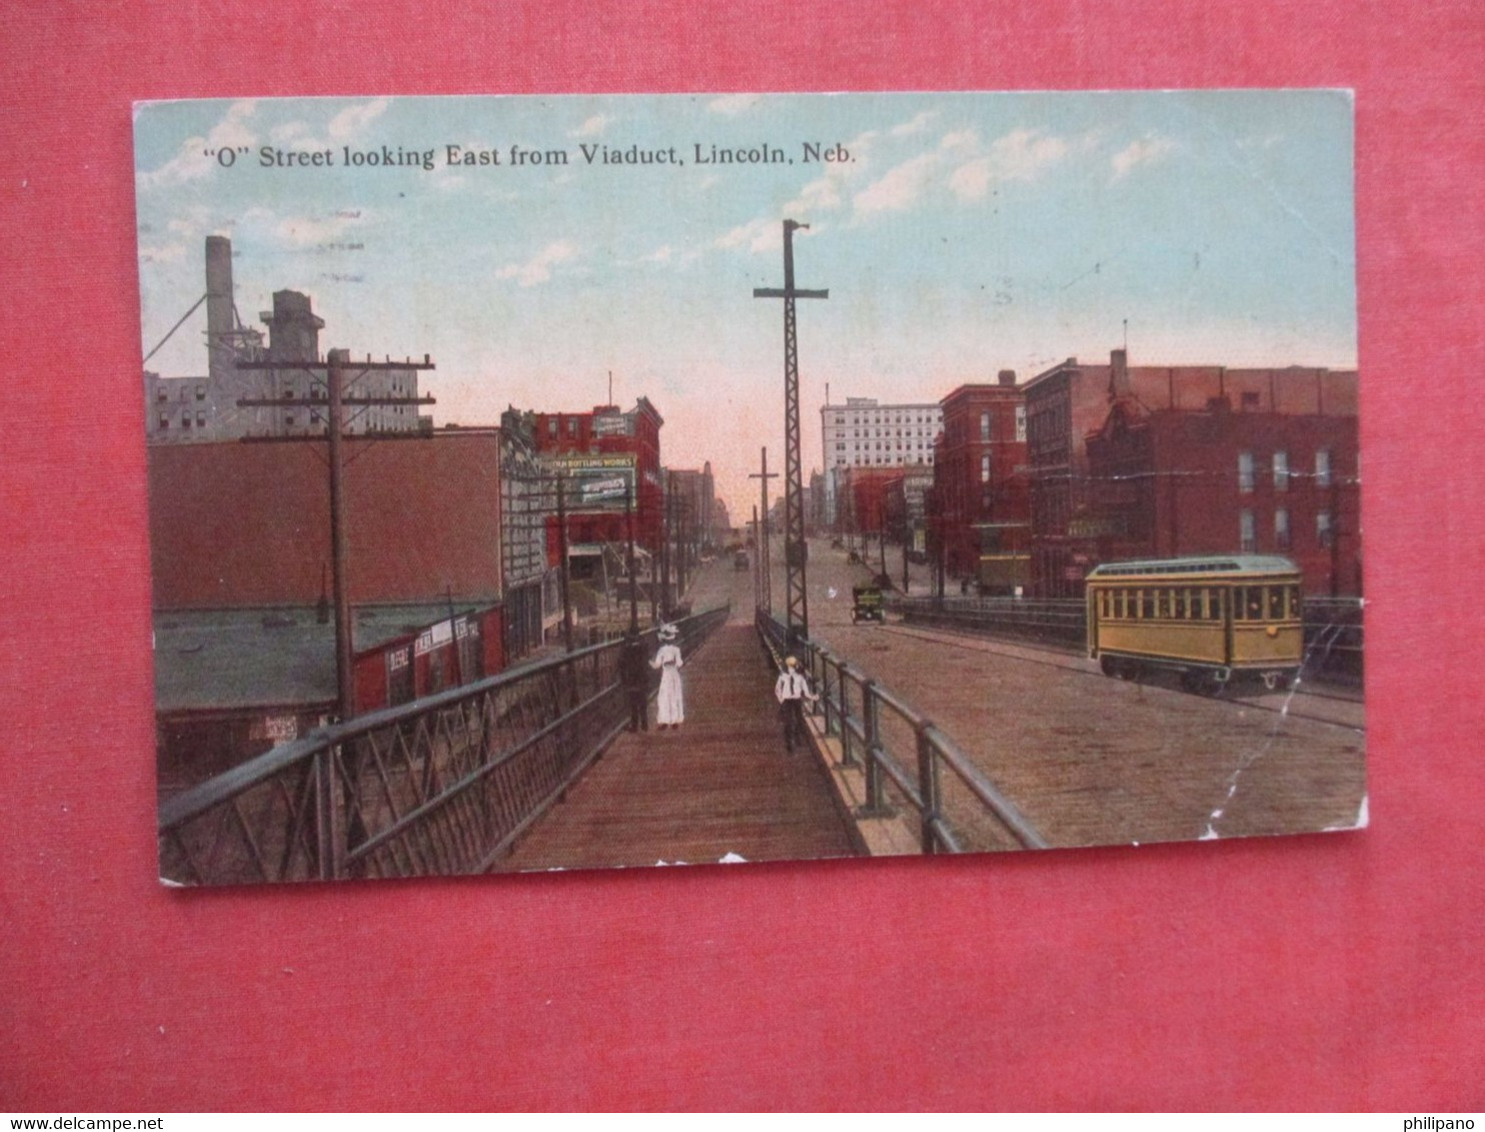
(975, 643)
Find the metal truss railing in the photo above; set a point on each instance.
(959, 809)
(440, 786)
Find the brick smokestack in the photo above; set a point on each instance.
(219, 321)
(1006, 377)
(1118, 374)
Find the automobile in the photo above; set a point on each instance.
(740, 560)
(866, 604)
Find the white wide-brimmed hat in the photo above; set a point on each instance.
(667, 632)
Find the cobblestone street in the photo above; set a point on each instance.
(1092, 760)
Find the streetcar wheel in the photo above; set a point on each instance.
(1107, 666)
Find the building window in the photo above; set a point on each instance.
(185, 420)
(289, 420)
(551, 426)
(1281, 470)
(985, 469)
(1281, 528)
(1322, 467)
(1247, 535)
(1324, 533)
(200, 420)
(1020, 424)
(572, 426)
(201, 393)
(162, 395)
(164, 421)
(985, 427)
(1250, 401)
(1245, 471)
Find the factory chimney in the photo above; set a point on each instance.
(219, 320)
(1118, 374)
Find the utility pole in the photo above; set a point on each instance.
(562, 558)
(757, 584)
(629, 558)
(795, 551)
(761, 546)
(667, 517)
(334, 366)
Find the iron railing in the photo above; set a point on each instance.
(440, 786)
(879, 732)
(1333, 626)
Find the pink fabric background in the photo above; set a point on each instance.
(1336, 972)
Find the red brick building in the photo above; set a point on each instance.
(982, 506)
(862, 500)
(598, 453)
(1073, 527)
(1176, 482)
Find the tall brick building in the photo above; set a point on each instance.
(1191, 460)
(981, 508)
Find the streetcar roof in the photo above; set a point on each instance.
(1267, 564)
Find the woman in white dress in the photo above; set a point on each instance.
(670, 705)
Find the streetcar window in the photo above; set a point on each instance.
(1183, 604)
(1276, 603)
(1147, 604)
(1293, 592)
(1239, 603)
(1255, 603)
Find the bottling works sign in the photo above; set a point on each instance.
(593, 483)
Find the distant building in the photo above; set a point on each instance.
(864, 434)
(599, 456)
(1080, 517)
(209, 406)
(980, 485)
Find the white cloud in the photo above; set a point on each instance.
(899, 188)
(731, 104)
(295, 135)
(353, 119)
(761, 235)
(826, 191)
(1140, 152)
(161, 253)
(197, 156)
(538, 269)
(916, 125)
(592, 128)
(1021, 155)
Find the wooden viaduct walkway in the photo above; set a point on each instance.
(721, 784)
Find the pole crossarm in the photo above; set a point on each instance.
(797, 608)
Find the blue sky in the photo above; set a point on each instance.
(967, 233)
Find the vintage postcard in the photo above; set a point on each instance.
(574, 482)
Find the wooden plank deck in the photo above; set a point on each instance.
(722, 783)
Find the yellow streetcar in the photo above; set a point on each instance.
(1211, 620)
